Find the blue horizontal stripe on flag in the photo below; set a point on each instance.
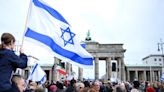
(57, 49)
(51, 11)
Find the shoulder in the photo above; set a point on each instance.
(6, 54)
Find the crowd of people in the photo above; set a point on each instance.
(100, 86)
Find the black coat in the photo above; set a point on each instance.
(9, 61)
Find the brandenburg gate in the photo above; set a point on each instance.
(108, 52)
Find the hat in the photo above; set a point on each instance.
(53, 87)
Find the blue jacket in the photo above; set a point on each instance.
(9, 61)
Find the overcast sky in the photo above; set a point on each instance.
(138, 24)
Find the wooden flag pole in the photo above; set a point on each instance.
(27, 17)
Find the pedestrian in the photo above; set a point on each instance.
(18, 83)
(9, 61)
(136, 85)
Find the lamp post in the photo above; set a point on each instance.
(160, 48)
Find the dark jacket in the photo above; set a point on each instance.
(9, 61)
(14, 88)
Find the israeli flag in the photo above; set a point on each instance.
(37, 74)
(47, 28)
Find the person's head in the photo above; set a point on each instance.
(7, 41)
(33, 85)
(87, 83)
(96, 85)
(73, 82)
(59, 85)
(136, 84)
(79, 86)
(19, 81)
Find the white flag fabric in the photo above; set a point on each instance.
(47, 28)
(37, 74)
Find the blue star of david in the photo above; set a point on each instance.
(67, 36)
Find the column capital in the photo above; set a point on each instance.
(108, 58)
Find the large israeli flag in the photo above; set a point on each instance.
(47, 28)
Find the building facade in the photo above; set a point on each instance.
(154, 59)
(143, 72)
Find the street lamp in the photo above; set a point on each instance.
(160, 48)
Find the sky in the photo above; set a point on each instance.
(138, 24)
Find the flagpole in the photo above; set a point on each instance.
(27, 16)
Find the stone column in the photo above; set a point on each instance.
(159, 76)
(145, 78)
(136, 74)
(55, 73)
(68, 68)
(96, 68)
(117, 69)
(128, 76)
(106, 76)
(122, 70)
(109, 67)
(80, 71)
(119, 66)
(155, 75)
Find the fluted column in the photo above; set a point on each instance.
(55, 74)
(68, 68)
(128, 76)
(109, 68)
(136, 74)
(122, 70)
(80, 71)
(145, 78)
(118, 69)
(159, 75)
(106, 76)
(96, 68)
(119, 66)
